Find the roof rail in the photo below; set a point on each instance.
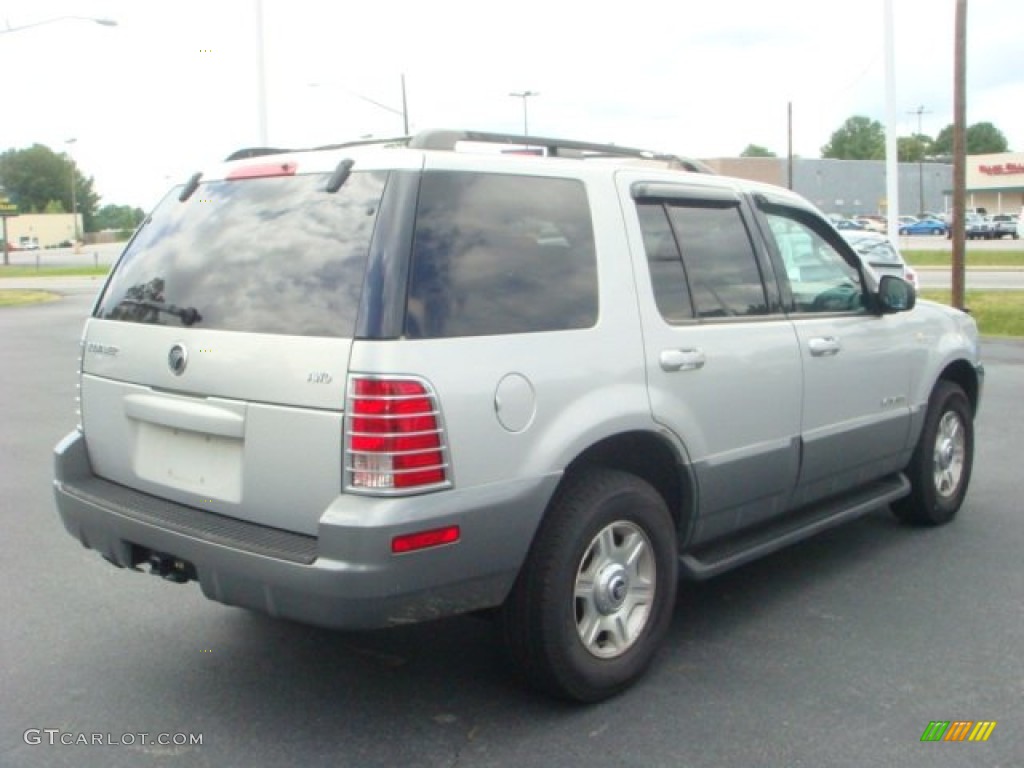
(248, 152)
(241, 154)
(447, 140)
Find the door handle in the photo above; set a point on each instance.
(672, 360)
(824, 346)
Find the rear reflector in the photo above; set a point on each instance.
(411, 542)
(394, 441)
(263, 170)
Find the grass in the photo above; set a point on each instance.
(17, 298)
(998, 313)
(21, 271)
(974, 258)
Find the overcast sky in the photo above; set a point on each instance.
(174, 86)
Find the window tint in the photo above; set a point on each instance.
(271, 255)
(666, 266)
(719, 259)
(497, 254)
(819, 277)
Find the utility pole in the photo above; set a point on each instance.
(524, 95)
(74, 202)
(789, 143)
(920, 158)
(959, 150)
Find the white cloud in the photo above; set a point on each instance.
(173, 87)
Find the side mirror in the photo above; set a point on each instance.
(895, 295)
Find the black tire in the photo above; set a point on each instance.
(940, 469)
(603, 563)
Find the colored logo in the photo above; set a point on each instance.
(958, 730)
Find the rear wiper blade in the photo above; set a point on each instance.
(188, 315)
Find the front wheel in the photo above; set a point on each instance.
(940, 468)
(595, 596)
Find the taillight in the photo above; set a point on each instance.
(394, 440)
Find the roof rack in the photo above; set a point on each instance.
(247, 152)
(447, 140)
(242, 154)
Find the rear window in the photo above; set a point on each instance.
(496, 254)
(268, 255)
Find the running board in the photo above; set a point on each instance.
(720, 556)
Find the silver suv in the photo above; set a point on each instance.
(367, 385)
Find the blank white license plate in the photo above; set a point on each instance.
(208, 465)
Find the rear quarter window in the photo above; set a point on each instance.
(273, 255)
(498, 254)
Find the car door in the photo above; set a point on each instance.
(856, 363)
(722, 360)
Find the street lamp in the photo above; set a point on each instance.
(403, 112)
(524, 95)
(102, 22)
(920, 157)
(74, 203)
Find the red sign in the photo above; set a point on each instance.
(1004, 169)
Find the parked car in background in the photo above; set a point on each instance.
(924, 227)
(977, 227)
(873, 223)
(1005, 225)
(906, 221)
(848, 224)
(879, 253)
(1020, 224)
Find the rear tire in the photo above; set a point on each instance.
(595, 596)
(940, 469)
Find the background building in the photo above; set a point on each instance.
(48, 229)
(851, 187)
(996, 182)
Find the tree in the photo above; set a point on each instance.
(756, 150)
(913, 149)
(119, 217)
(37, 176)
(859, 138)
(982, 139)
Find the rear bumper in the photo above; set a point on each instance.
(344, 577)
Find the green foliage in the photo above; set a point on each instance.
(36, 176)
(982, 139)
(859, 138)
(913, 149)
(756, 150)
(120, 217)
(998, 313)
(54, 206)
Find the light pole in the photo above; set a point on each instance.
(403, 112)
(74, 203)
(102, 22)
(524, 95)
(920, 157)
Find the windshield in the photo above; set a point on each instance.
(267, 255)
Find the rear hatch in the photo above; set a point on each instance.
(215, 363)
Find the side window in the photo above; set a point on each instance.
(719, 259)
(702, 260)
(671, 293)
(495, 254)
(818, 275)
